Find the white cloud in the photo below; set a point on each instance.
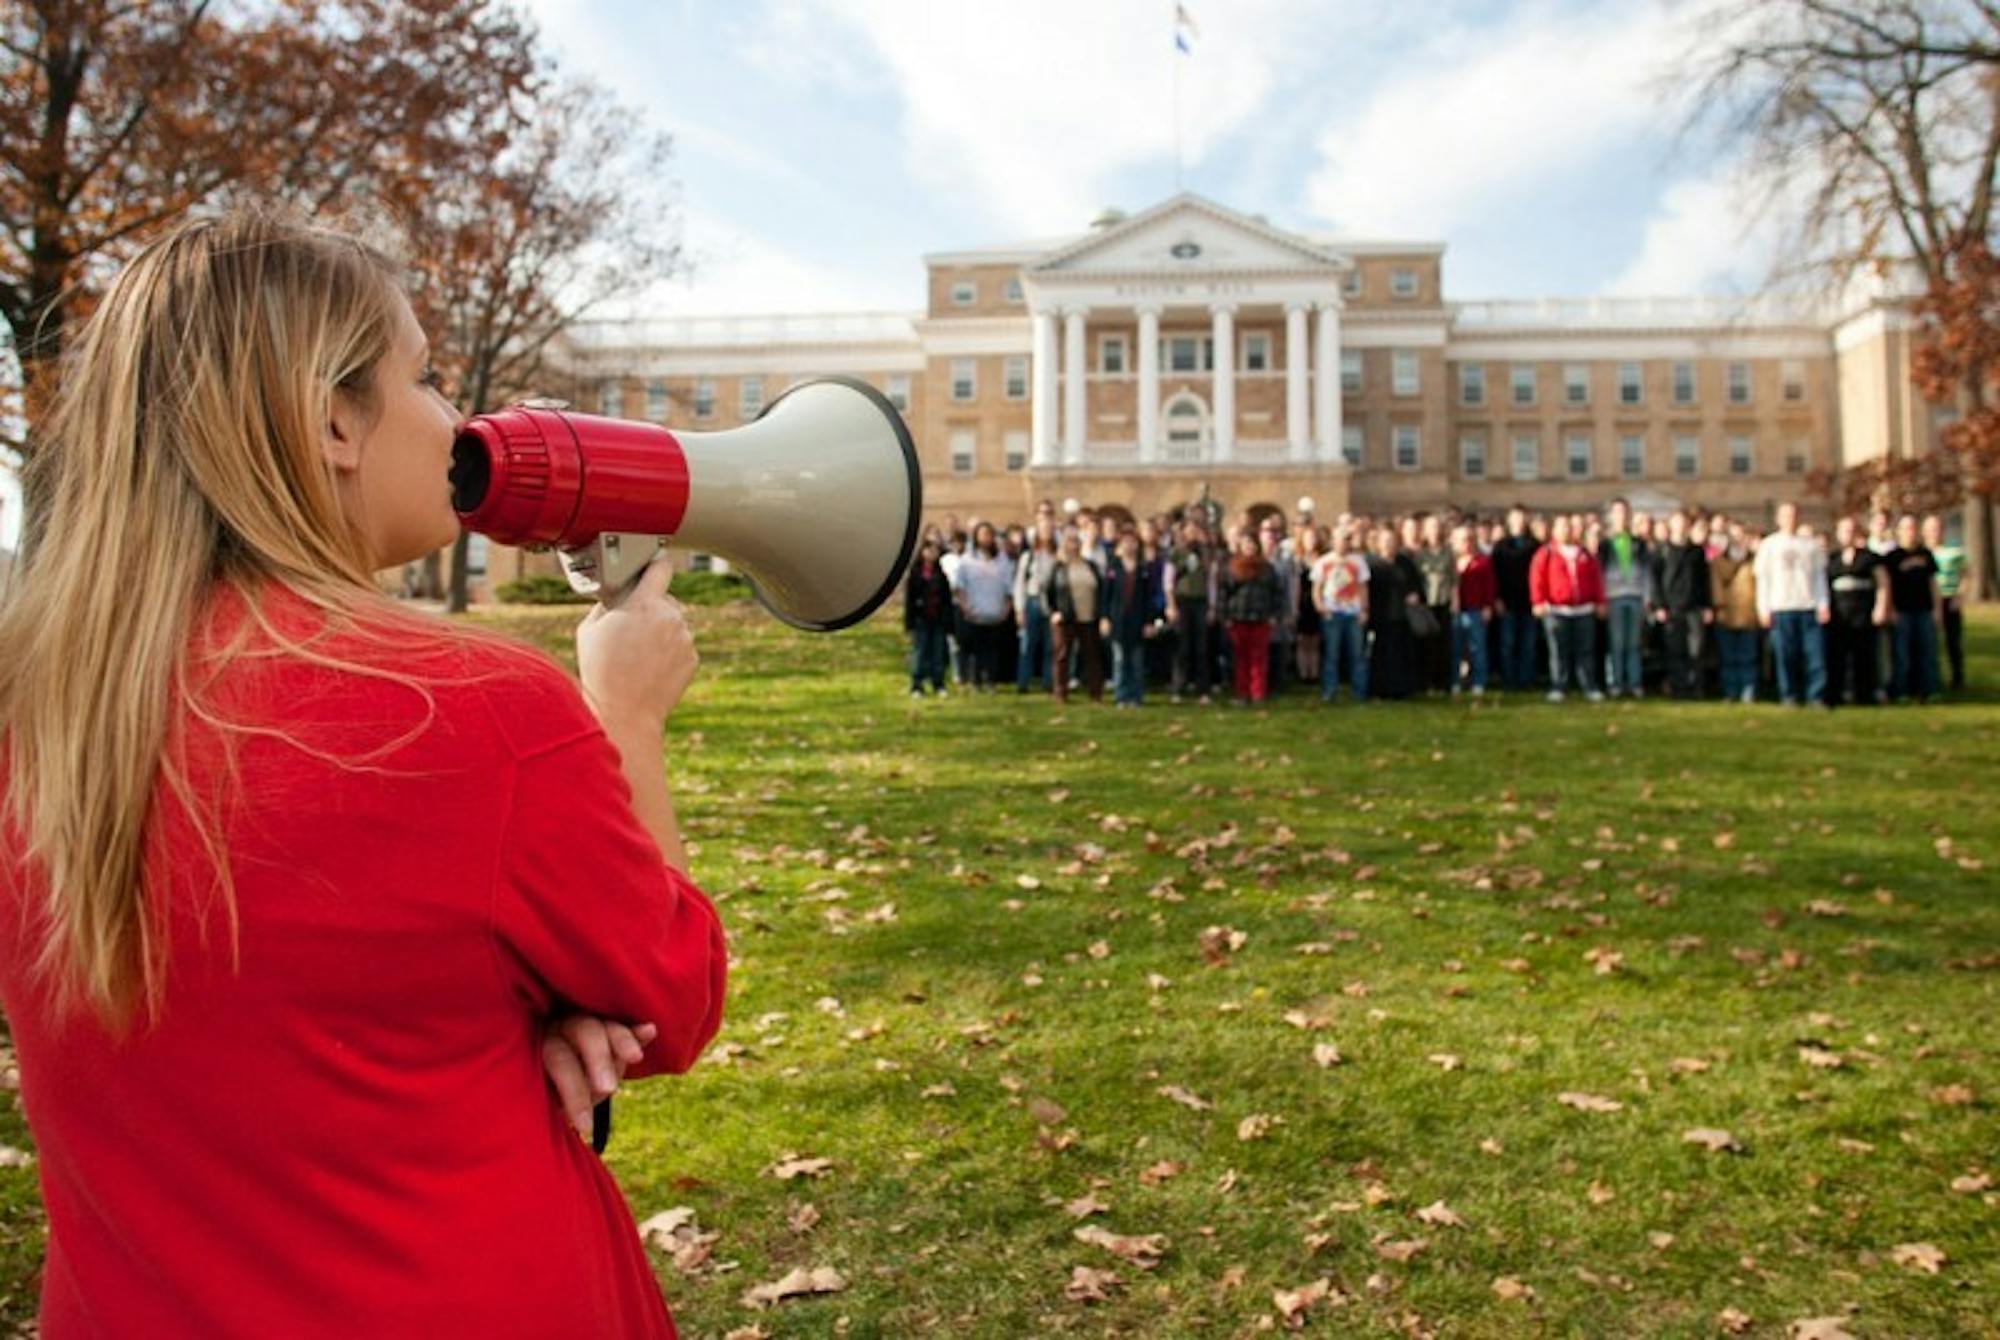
(735, 271)
(1030, 108)
(1473, 115)
(1704, 236)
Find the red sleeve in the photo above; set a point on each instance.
(1538, 577)
(588, 915)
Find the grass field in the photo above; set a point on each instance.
(1391, 1020)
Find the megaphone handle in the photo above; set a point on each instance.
(610, 565)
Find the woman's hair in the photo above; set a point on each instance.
(183, 455)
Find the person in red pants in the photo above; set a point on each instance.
(1250, 602)
(322, 921)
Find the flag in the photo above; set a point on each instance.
(1184, 30)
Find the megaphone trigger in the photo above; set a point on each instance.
(610, 566)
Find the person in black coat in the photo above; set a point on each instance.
(1131, 590)
(1394, 587)
(1685, 604)
(927, 611)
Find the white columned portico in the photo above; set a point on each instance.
(1042, 375)
(1073, 392)
(1326, 414)
(1298, 436)
(1222, 315)
(1149, 383)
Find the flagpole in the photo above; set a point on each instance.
(1175, 57)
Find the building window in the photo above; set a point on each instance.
(1403, 371)
(899, 391)
(1013, 290)
(1257, 353)
(962, 444)
(1683, 383)
(1522, 378)
(1350, 283)
(750, 397)
(1739, 383)
(1402, 283)
(1184, 354)
(1795, 458)
(1576, 455)
(610, 398)
(1632, 455)
(1351, 440)
(1527, 455)
(1576, 384)
(704, 398)
(1111, 354)
(1014, 384)
(964, 293)
(1403, 443)
(1740, 456)
(1472, 456)
(1631, 384)
(1017, 450)
(964, 379)
(656, 401)
(1793, 373)
(1687, 455)
(1471, 383)
(1350, 372)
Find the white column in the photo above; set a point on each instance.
(1222, 317)
(1073, 397)
(1149, 384)
(1326, 416)
(1042, 391)
(1297, 432)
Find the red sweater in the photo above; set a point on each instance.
(1477, 588)
(348, 1132)
(1554, 580)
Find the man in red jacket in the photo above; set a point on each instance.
(1473, 595)
(1567, 589)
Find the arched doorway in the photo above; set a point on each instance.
(1184, 419)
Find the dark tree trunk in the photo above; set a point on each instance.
(461, 552)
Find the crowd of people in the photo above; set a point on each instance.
(1691, 605)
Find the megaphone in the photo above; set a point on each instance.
(816, 500)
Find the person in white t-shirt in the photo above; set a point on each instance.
(1794, 602)
(1340, 594)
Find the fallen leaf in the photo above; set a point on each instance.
(1822, 1059)
(1734, 1320)
(1971, 1183)
(1510, 1290)
(1090, 1286)
(1920, 1256)
(1084, 1206)
(1142, 1249)
(1293, 1304)
(795, 1165)
(1687, 1065)
(798, 1284)
(1589, 1102)
(1711, 1138)
(1257, 1125)
(1160, 1172)
(1325, 1055)
(1819, 1328)
(1046, 1113)
(1444, 1060)
(1401, 1250)
(1952, 1095)
(1604, 959)
(1188, 1100)
(1438, 1213)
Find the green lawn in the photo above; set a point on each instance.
(970, 956)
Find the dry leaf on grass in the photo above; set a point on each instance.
(1822, 1059)
(1160, 1172)
(1711, 1137)
(1185, 1098)
(1084, 1206)
(1326, 1055)
(798, 1165)
(800, 1283)
(1219, 942)
(1510, 1290)
(1257, 1125)
(1444, 1061)
(1971, 1183)
(1589, 1102)
(1091, 1286)
(1293, 1304)
(1440, 1214)
(1400, 1250)
(1141, 1249)
(1919, 1256)
(1819, 1328)
(1733, 1320)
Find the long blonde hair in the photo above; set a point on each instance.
(183, 454)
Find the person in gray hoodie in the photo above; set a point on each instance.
(1627, 564)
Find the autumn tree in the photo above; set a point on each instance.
(118, 117)
(569, 213)
(1880, 120)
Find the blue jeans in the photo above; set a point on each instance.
(1036, 649)
(1128, 671)
(1518, 636)
(927, 655)
(1737, 650)
(1468, 649)
(1343, 639)
(1628, 626)
(1798, 645)
(1915, 647)
(1573, 651)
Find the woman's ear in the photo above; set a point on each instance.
(340, 441)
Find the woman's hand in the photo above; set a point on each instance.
(585, 1057)
(636, 659)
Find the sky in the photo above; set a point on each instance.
(822, 147)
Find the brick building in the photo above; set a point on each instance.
(1190, 344)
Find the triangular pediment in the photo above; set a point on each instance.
(1188, 235)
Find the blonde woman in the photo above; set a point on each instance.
(323, 923)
